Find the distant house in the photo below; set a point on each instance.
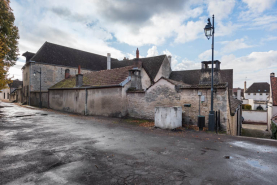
(257, 94)
(272, 102)
(10, 92)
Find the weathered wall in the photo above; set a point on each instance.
(106, 102)
(35, 98)
(254, 116)
(26, 82)
(163, 93)
(164, 70)
(50, 75)
(68, 100)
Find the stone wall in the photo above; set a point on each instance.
(50, 75)
(163, 93)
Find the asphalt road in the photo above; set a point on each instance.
(49, 147)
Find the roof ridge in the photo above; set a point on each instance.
(77, 49)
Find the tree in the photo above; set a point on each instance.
(8, 42)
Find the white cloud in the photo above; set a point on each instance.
(207, 55)
(186, 65)
(174, 58)
(230, 46)
(256, 66)
(269, 38)
(259, 5)
(221, 8)
(152, 52)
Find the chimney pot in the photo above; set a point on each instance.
(137, 53)
(169, 59)
(79, 69)
(272, 74)
(79, 80)
(108, 61)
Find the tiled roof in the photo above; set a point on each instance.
(192, 77)
(258, 87)
(234, 104)
(97, 78)
(15, 84)
(50, 53)
(176, 82)
(273, 81)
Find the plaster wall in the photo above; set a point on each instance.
(168, 117)
(257, 96)
(35, 99)
(106, 102)
(145, 80)
(163, 93)
(164, 70)
(255, 116)
(67, 100)
(6, 92)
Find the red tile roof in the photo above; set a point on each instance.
(273, 82)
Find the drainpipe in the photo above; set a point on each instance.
(86, 102)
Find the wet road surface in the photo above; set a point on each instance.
(49, 147)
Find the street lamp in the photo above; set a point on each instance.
(209, 32)
(40, 103)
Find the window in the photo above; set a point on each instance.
(259, 90)
(254, 93)
(261, 94)
(248, 93)
(266, 93)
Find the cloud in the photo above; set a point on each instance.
(230, 46)
(269, 38)
(207, 55)
(152, 52)
(256, 66)
(221, 8)
(186, 65)
(259, 5)
(174, 58)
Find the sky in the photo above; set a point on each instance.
(245, 31)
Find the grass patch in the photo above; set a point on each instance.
(254, 133)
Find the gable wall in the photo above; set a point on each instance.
(164, 70)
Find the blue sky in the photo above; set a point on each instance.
(245, 31)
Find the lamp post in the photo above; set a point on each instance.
(40, 103)
(209, 32)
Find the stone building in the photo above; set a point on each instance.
(13, 92)
(136, 90)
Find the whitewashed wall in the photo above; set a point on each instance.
(257, 96)
(255, 116)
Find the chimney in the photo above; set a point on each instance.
(135, 78)
(67, 73)
(272, 74)
(108, 61)
(169, 59)
(137, 53)
(79, 78)
(244, 86)
(239, 94)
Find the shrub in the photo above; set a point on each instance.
(246, 106)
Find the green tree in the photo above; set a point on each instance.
(8, 42)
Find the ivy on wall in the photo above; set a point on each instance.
(274, 130)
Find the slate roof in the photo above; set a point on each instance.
(273, 82)
(50, 53)
(192, 77)
(28, 55)
(97, 78)
(150, 64)
(54, 54)
(234, 104)
(15, 84)
(258, 87)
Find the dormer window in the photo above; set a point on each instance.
(259, 90)
(264, 90)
